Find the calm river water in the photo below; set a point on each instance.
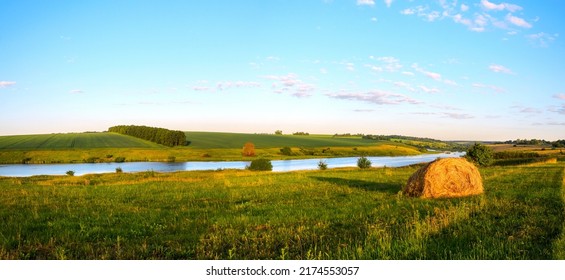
(24, 170)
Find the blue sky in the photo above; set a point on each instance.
(466, 70)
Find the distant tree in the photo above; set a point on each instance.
(70, 173)
(480, 154)
(363, 162)
(278, 132)
(287, 151)
(248, 149)
(260, 164)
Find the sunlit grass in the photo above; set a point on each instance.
(332, 214)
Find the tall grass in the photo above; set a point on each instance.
(331, 214)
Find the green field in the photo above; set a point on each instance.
(332, 214)
(72, 141)
(212, 140)
(205, 146)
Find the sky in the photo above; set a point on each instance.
(444, 69)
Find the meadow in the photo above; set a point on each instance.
(204, 146)
(332, 214)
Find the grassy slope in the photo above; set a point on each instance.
(333, 214)
(78, 147)
(72, 141)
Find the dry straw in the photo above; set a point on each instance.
(448, 177)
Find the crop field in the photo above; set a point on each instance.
(331, 214)
(205, 146)
(210, 140)
(72, 141)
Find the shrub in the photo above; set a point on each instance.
(120, 159)
(171, 159)
(480, 154)
(248, 149)
(260, 164)
(70, 173)
(119, 170)
(363, 162)
(322, 165)
(287, 151)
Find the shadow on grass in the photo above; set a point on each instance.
(389, 188)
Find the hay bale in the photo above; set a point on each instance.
(448, 177)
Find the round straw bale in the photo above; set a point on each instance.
(448, 177)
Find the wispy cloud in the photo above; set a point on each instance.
(4, 84)
(560, 96)
(491, 87)
(518, 21)
(499, 7)
(375, 97)
(432, 75)
(290, 83)
(76, 91)
(366, 2)
(500, 69)
(526, 110)
(238, 84)
(457, 116)
(200, 88)
(542, 39)
(388, 2)
(429, 90)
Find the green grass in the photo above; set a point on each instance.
(332, 214)
(72, 141)
(205, 146)
(211, 140)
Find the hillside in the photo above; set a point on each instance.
(72, 141)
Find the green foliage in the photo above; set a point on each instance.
(171, 159)
(120, 159)
(119, 170)
(278, 132)
(322, 165)
(363, 162)
(260, 164)
(287, 151)
(480, 154)
(70, 173)
(154, 134)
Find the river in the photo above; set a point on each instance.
(25, 170)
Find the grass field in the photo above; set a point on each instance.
(106, 147)
(72, 141)
(332, 214)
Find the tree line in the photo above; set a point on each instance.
(157, 135)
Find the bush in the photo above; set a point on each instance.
(480, 154)
(248, 150)
(120, 159)
(260, 164)
(119, 170)
(287, 151)
(171, 159)
(322, 165)
(70, 173)
(363, 162)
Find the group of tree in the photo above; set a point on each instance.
(554, 144)
(157, 135)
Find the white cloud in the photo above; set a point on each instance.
(291, 83)
(464, 8)
(517, 21)
(450, 82)
(499, 7)
(76, 91)
(4, 84)
(491, 87)
(388, 2)
(432, 75)
(375, 97)
(560, 96)
(457, 116)
(366, 2)
(542, 39)
(500, 69)
(429, 90)
(238, 84)
(407, 73)
(200, 88)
